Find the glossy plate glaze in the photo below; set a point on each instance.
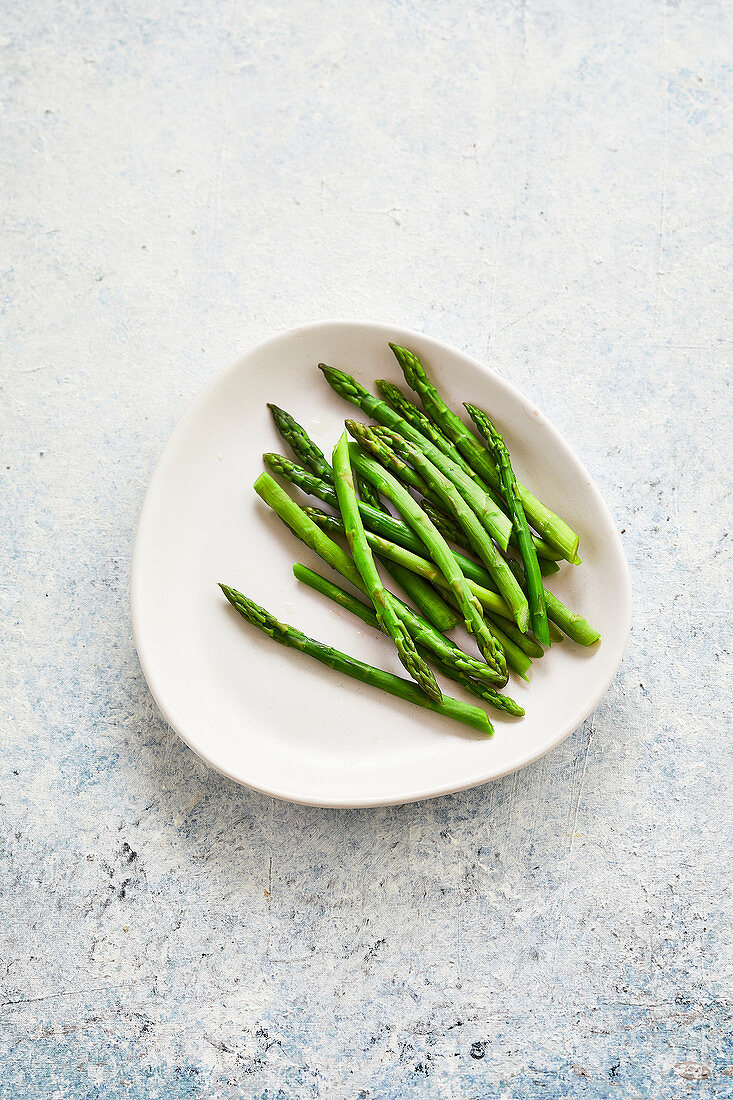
(274, 719)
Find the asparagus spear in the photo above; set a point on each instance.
(397, 400)
(425, 598)
(368, 494)
(412, 565)
(301, 443)
(349, 666)
(550, 526)
(309, 452)
(438, 549)
(374, 514)
(495, 610)
(428, 601)
(301, 525)
(387, 616)
(538, 611)
(356, 607)
(575, 626)
(418, 563)
(526, 643)
(374, 445)
(304, 528)
(446, 491)
(447, 526)
(497, 523)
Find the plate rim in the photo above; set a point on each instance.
(143, 653)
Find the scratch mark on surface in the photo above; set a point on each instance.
(60, 993)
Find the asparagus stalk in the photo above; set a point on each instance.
(368, 494)
(356, 607)
(418, 563)
(374, 445)
(381, 522)
(493, 519)
(311, 454)
(497, 523)
(425, 598)
(408, 563)
(301, 443)
(438, 549)
(304, 528)
(374, 514)
(386, 612)
(349, 666)
(517, 647)
(575, 626)
(527, 644)
(550, 526)
(500, 572)
(449, 529)
(397, 400)
(538, 611)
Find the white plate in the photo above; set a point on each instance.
(273, 718)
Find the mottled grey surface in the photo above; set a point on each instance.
(541, 184)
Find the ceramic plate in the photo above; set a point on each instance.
(274, 719)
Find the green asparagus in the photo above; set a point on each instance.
(428, 602)
(438, 549)
(423, 595)
(497, 523)
(525, 642)
(311, 454)
(449, 529)
(500, 572)
(304, 528)
(366, 614)
(301, 443)
(374, 445)
(575, 626)
(349, 666)
(550, 526)
(374, 515)
(418, 563)
(385, 610)
(535, 592)
(496, 611)
(395, 398)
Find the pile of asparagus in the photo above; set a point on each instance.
(473, 549)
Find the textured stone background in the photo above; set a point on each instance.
(542, 184)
